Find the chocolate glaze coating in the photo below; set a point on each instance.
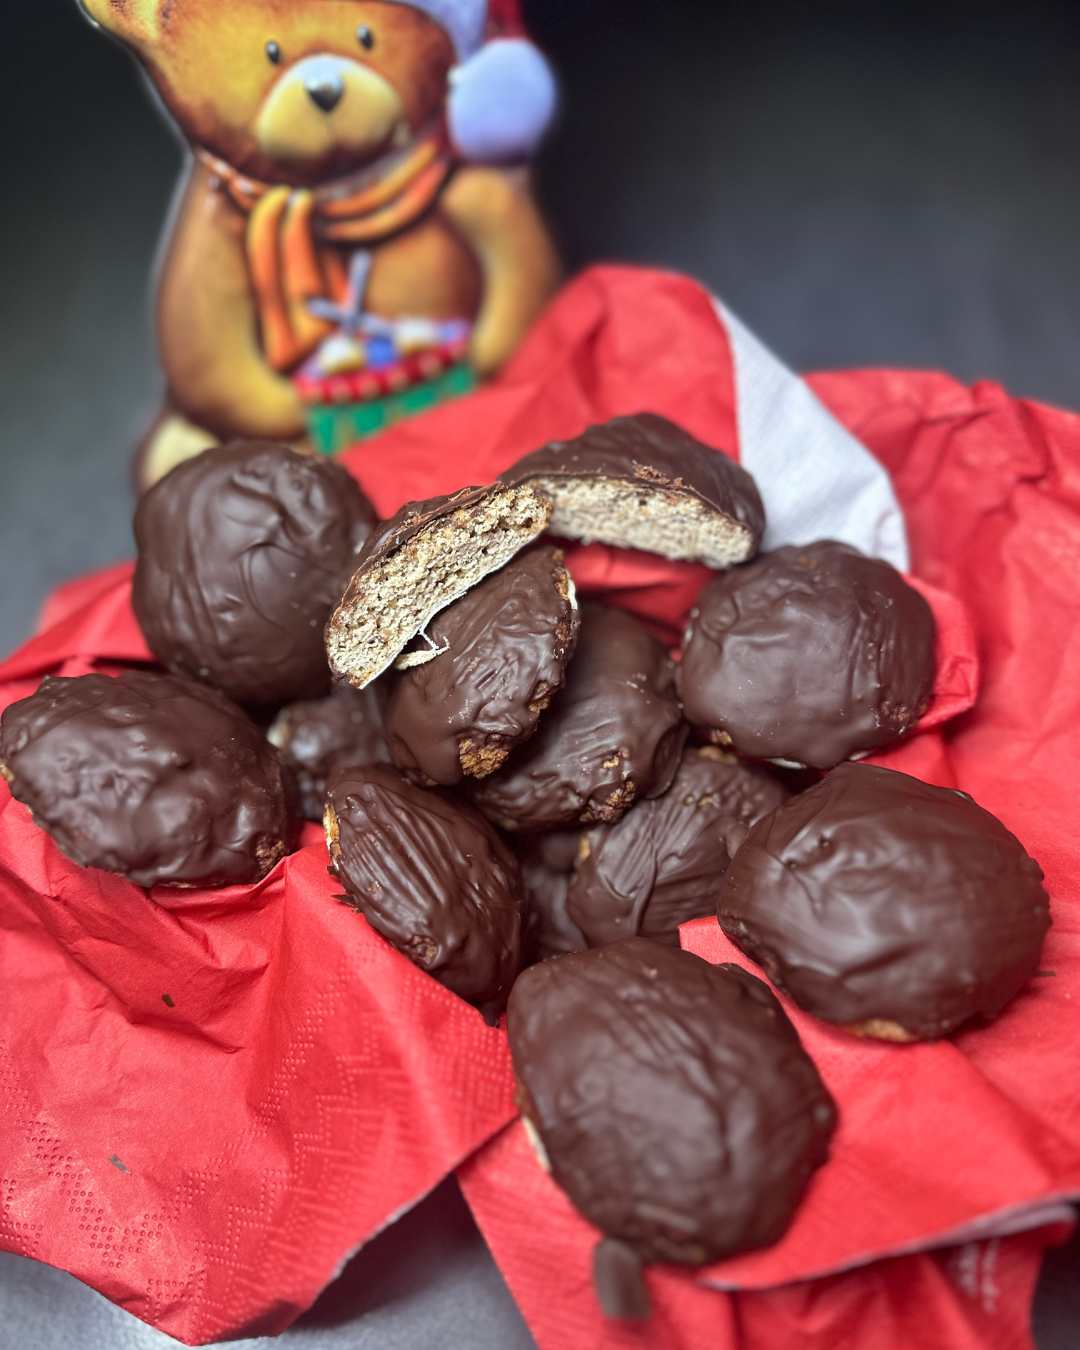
(613, 735)
(619, 1281)
(547, 866)
(651, 452)
(674, 1100)
(243, 552)
(557, 851)
(507, 645)
(410, 520)
(810, 654)
(157, 778)
(345, 727)
(661, 865)
(882, 903)
(430, 875)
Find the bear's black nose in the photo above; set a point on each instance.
(325, 91)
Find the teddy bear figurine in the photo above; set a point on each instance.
(356, 227)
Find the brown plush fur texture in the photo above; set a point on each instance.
(483, 251)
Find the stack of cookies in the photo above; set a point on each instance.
(527, 793)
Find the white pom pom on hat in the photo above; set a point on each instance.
(503, 93)
(501, 102)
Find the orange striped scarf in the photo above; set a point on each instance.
(292, 236)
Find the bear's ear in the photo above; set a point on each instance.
(132, 21)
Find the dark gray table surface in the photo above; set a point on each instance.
(892, 185)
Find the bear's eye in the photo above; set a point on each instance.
(273, 52)
(365, 37)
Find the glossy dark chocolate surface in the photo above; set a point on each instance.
(243, 552)
(157, 778)
(810, 654)
(345, 727)
(614, 734)
(674, 1100)
(877, 898)
(661, 865)
(504, 650)
(651, 452)
(430, 875)
(547, 866)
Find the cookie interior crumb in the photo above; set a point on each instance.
(481, 761)
(396, 597)
(333, 831)
(675, 525)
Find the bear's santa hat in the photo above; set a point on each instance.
(503, 93)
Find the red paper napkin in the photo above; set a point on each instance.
(975, 1296)
(937, 1143)
(207, 1107)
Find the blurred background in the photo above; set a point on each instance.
(891, 184)
(864, 184)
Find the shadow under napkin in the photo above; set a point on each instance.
(426, 1281)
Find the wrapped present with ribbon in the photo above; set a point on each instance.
(373, 371)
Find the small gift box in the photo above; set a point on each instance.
(373, 371)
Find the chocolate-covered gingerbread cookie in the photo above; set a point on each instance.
(896, 909)
(243, 552)
(418, 562)
(661, 865)
(159, 779)
(810, 655)
(499, 654)
(431, 876)
(672, 1100)
(313, 736)
(614, 734)
(643, 482)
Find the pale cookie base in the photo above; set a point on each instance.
(422, 657)
(481, 761)
(880, 1029)
(394, 598)
(278, 735)
(333, 832)
(533, 1136)
(674, 525)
